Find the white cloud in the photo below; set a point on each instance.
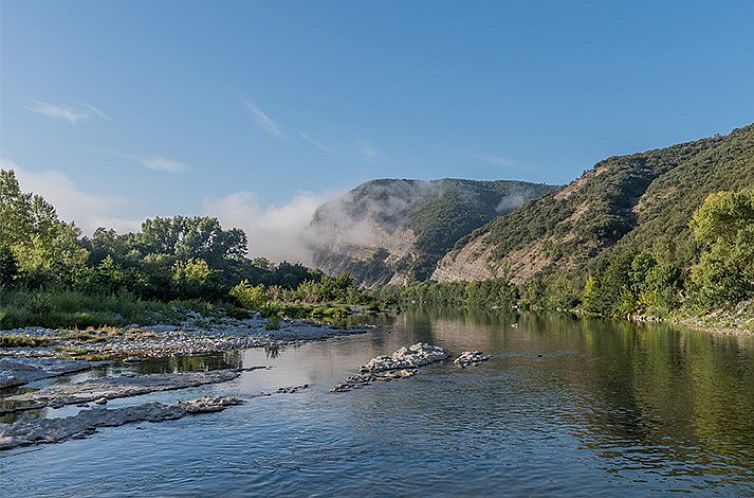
(261, 118)
(162, 164)
(88, 211)
(66, 112)
(97, 111)
(275, 232)
(315, 143)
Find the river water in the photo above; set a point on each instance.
(565, 407)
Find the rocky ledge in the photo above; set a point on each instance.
(16, 372)
(194, 335)
(99, 390)
(470, 358)
(414, 356)
(85, 423)
(401, 364)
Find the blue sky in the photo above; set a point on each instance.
(260, 109)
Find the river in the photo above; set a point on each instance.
(565, 406)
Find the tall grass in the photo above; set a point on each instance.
(75, 309)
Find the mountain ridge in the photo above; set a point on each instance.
(393, 231)
(632, 200)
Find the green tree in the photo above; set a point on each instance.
(724, 228)
(193, 278)
(46, 249)
(8, 267)
(249, 296)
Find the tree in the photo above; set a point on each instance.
(46, 249)
(724, 228)
(193, 278)
(8, 267)
(249, 296)
(187, 238)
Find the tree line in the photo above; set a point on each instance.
(169, 258)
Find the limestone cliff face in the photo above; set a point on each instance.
(469, 263)
(395, 231)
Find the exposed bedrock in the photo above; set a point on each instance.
(86, 422)
(401, 364)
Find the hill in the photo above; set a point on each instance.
(394, 231)
(622, 206)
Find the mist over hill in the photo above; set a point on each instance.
(395, 231)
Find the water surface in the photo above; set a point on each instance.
(564, 407)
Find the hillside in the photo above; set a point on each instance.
(624, 205)
(395, 231)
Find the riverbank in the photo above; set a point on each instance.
(738, 321)
(31, 357)
(32, 353)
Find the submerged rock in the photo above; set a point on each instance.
(360, 380)
(19, 371)
(291, 389)
(401, 364)
(208, 404)
(100, 390)
(469, 358)
(85, 423)
(9, 379)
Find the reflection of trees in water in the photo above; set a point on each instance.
(683, 396)
(272, 350)
(190, 363)
(638, 394)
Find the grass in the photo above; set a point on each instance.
(22, 340)
(79, 310)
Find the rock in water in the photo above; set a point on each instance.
(403, 363)
(101, 389)
(208, 404)
(86, 422)
(414, 356)
(468, 358)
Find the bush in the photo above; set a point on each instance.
(273, 323)
(249, 296)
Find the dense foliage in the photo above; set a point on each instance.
(46, 268)
(620, 240)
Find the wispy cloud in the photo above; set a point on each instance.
(88, 211)
(162, 164)
(315, 143)
(98, 112)
(262, 119)
(155, 163)
(67, 112)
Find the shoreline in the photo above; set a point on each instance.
(37, 353)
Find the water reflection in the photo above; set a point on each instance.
(564, 407)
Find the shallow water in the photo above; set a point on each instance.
(564, 407)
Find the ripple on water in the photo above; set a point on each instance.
(608, 409)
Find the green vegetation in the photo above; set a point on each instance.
(724, 228)
(423, 219)
(79, 309)
(51, 276)
(664, 233)
(490, 293)
(22, 340)
(328, 299)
